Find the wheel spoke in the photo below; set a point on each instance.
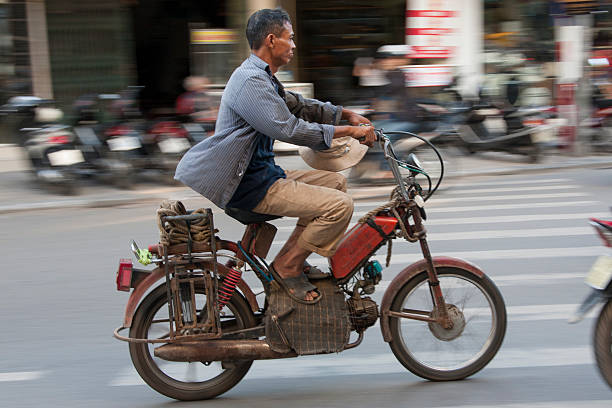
(184, 380)
(476, 333)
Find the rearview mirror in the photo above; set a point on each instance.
(414, 162)
(135, 249)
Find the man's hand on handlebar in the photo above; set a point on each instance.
(365, 134)
(354, 118)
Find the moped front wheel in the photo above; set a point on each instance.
(185, 381)
(478, 314)
(603, 343)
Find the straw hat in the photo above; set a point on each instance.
(344, 152)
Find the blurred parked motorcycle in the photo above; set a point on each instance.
(108, 158)
(50, 145)
(524, 131)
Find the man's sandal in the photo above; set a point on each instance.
(298, 284)
(312, 272)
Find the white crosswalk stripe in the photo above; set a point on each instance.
(502, 182)
(551, 404)
(21, 376)
(525, 205)
(507, 197)
(505, 254)
(499, 219)
(510, 189)
(564, 213)
(386, 363)
(515, 233)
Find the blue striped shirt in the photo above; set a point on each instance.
(251, 105)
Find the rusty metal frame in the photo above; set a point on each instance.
(203, 262)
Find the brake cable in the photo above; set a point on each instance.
(394, 157)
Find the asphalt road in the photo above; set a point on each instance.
(59, 306)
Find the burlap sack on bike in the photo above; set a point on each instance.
(323, 327)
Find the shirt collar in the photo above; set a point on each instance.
(259, 63)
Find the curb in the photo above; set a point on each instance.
(82, 203)
(358, 193)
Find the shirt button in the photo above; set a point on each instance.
(240, 174)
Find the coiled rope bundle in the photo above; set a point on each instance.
(178, 231)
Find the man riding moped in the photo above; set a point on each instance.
(235, 167)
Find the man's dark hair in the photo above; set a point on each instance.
(263, 22)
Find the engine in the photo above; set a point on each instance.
(363, 312)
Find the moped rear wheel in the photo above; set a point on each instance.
(478, 314)
(183, 380)
(603, 343)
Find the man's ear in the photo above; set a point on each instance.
(270, 39)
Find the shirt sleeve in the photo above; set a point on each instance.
(313, 110)
(261, 106)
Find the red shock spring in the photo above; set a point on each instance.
(228, 287)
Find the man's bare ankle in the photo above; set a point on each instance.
(285, 271)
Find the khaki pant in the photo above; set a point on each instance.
(318, 198)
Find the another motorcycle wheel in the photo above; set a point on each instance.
(603, 343)
(430, 351)
(183, 380)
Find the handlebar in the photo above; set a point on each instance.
(395, 163)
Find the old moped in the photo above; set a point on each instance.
(197, 333)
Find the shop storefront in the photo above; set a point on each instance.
(104, 46)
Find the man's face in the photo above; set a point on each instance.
(283, 48)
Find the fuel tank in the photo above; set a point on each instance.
(358, 243)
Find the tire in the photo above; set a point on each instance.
(154, 371)
(603, 343)
(436, 343)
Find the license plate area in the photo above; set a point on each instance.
(65, 157)
(174, 145)
(600, 275)
(124, 143)
(543, 136)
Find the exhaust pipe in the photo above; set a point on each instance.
(219, 350)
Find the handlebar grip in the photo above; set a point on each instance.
(376, 132)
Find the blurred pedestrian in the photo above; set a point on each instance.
(196, 104)
(395, 106)
(369, 76)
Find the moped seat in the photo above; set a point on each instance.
(249, 217)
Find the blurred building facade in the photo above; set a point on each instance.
(62, 49)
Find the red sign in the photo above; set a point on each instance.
(430, 13)
(430, 25)
(429, 31)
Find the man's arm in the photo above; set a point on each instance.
(261, 107)
(313, 110)
(354, 118)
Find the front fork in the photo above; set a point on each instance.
(440, 312)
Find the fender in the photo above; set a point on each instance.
(158, 273)
(410, 272)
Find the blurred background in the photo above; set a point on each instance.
(101, 98)
(125, 62)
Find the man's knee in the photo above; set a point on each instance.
(346, 206)
(340, 182)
